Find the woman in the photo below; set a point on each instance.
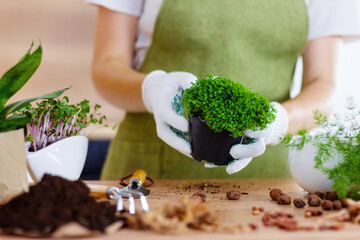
(140, 63)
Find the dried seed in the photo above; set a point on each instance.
(275, 193)
(261, 209)
(323, 228)
(299, 203)
(309, 228)
(314, 200)
(337, 226)
(308, 214)
(332, 227)
(233, 195)
(253, 226)
(286, 224)
(254, 208)
(255, 212)
(284, 199)
(327, 205)
(311, 213)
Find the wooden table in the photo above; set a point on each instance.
(234, 212)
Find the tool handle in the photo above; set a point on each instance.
(98, 191)
(138, 174)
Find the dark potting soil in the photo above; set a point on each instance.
(54, 202)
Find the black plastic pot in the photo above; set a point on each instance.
(210, 146)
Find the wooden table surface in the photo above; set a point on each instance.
(233, 212)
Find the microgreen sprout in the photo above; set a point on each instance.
(55, 119)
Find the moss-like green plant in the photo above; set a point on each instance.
(227, 105)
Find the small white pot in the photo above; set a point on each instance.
(302, 163)
(64, 158)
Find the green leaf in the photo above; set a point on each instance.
(66, 98)
(15, 78)
(14, 122)
(16, 106)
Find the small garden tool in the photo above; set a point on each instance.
(133, 190)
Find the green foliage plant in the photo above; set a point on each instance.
(335, 137)
(227, 106)
(11, 82)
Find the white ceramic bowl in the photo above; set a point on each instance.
(64, 158)
(301, 164)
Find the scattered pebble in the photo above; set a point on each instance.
(337, 205)
(200, 196)
(299, 203)
(275, 193)
(284, 199)
(320, 194)
(332, 196)
(233, 195)
(327, 205)
(314, 200)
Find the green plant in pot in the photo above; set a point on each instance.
(57, 139)
(13, 177)
(220, 111)
(327, 157)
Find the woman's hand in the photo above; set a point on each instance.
(158, 91)
(244, 153)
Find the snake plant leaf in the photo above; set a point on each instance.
(14, 122)
(14, 79)
(16, 106)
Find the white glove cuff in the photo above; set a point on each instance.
(150, 87)
(280, 125)
(210, 165)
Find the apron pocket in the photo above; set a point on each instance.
(127, 156)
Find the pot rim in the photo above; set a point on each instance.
(55, 143)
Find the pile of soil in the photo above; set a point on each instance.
(52, 203)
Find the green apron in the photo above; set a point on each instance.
(255, 42)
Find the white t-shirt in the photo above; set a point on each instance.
(326, 18)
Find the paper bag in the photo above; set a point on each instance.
(13, 175)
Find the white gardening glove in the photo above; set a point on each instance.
(158, 91)
(244, 153)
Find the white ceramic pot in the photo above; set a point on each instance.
(64, 158)
(301, 164)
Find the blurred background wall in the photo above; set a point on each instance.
(66, 30)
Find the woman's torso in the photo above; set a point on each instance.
(243, 40)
